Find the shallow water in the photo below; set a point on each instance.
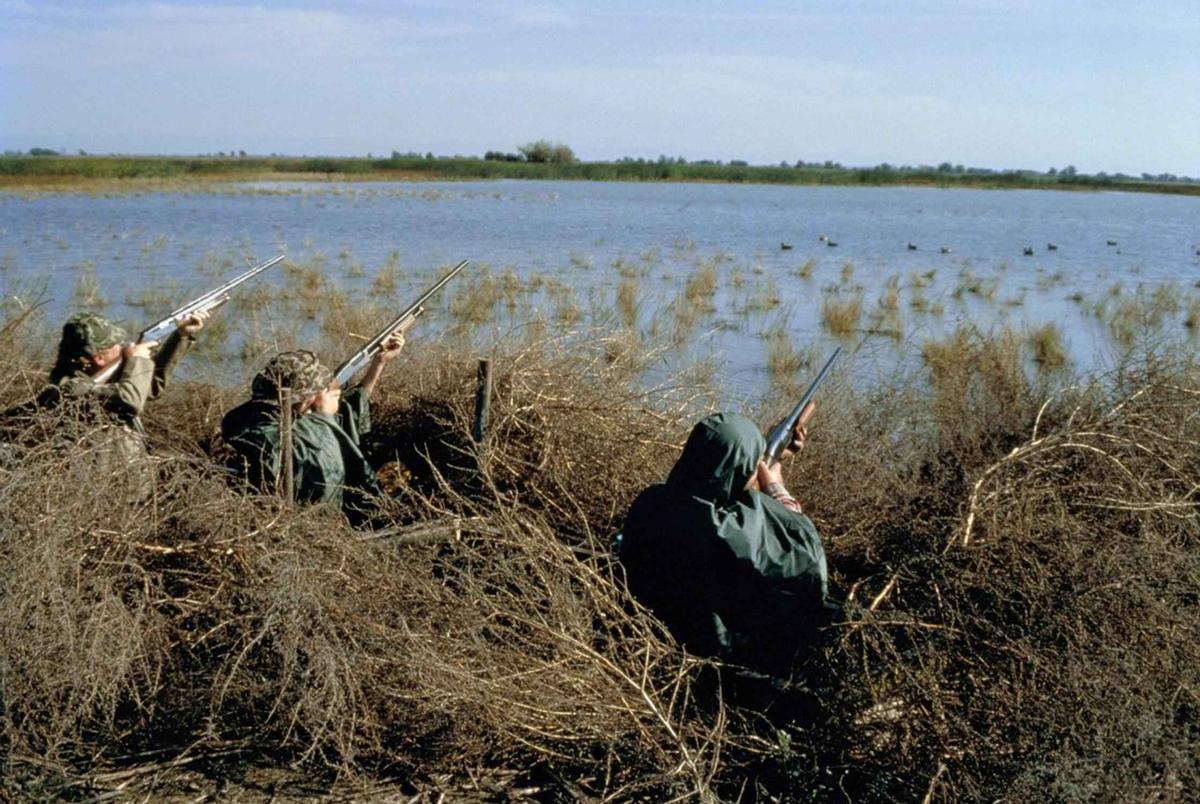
(588, 236)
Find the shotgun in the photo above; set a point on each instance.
(781, 434)
(358, 361)
(209, 301)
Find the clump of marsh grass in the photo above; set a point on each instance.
(475, 303)
(567, 311)
(764, 298)
(87, 292)
(889, 301)
(805, 271)
(628, 269)
(1192, 319)
(216, 264)
(784, 359)
(701, 286)
(511, 288)
(387, 278)
(696, 299)
(1048, 281)
(1047, 346)
(922, 279)
(841, 316)
(629, 304)
(1131, 317)
(1164, 301)
(965, 365)
(976, 286)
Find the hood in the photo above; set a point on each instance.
(720, 456)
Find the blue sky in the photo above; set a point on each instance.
(1105, 86)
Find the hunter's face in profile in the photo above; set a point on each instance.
(327, 400)
(105, 357)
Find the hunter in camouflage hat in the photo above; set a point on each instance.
(110, 411)
(327, 431)
(87, 334)
(299, 372)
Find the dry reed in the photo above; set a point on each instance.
(1024, 558)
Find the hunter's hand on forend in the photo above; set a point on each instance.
(799, 433)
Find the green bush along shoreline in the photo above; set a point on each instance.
(18, 170)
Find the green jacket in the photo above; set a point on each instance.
(729, 571)
(115, 437)
(328, 465)
(124, 397)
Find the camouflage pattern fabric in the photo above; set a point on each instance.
(299, 372)
(86, 334)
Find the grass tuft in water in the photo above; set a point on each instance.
(1047, 345)
(841, 316)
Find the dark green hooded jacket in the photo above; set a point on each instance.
(729, 571)
(328, 465)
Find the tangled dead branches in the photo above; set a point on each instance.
(1028, 570)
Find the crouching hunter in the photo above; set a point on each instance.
(111, 407)
(723, 554)
(327, 424)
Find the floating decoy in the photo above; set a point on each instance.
(785, 246)
(830, 243)
(912, 246)
(1110, 242)
(1051, 247)
(945, 249)
(1028, 251)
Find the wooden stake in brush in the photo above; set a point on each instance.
(284, 479)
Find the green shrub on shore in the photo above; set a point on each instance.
(559, 163)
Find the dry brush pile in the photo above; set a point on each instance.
(1027, 563)
(202, 620)
(1030, 566)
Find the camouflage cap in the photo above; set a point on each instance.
(86, 334)
(298, 371)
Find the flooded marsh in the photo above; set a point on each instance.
(699, 266)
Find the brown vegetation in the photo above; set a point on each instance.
(1026, 562)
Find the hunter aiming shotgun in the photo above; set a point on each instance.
(359, 360)
(203, 304)
(781, 434)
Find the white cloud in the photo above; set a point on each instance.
(543, 17)
(762, 83)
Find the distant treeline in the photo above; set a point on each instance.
(42, 164)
